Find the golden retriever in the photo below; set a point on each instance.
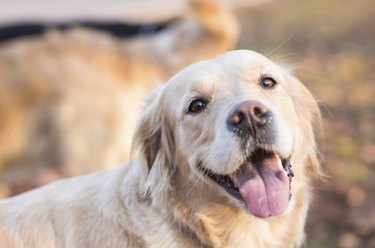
(215, 149)
(69, 100)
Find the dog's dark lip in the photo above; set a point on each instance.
(226, 182)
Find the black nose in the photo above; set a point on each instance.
(249, 115)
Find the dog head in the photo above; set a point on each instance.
(232, 126)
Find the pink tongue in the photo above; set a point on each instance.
(265, 190)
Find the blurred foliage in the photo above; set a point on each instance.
(331, 43)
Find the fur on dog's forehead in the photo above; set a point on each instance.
(240, 65)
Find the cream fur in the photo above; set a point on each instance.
(159, 199)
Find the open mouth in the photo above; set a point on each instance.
(263, 182)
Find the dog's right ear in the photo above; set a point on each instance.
(147, 136)
(153, 137)
(146, 139)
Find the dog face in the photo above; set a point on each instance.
(234, 124)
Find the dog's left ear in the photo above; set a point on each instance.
(154, 140)
(309, 117)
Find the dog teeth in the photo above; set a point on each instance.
(288, 168)
(290, 171)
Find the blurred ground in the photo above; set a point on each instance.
(332, 45)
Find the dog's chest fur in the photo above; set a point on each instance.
(220, 225)
(110, 213)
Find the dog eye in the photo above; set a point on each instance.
(268, 82)
(197, 105)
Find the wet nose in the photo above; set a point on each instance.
(249, 115)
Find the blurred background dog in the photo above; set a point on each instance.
(69, 96)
